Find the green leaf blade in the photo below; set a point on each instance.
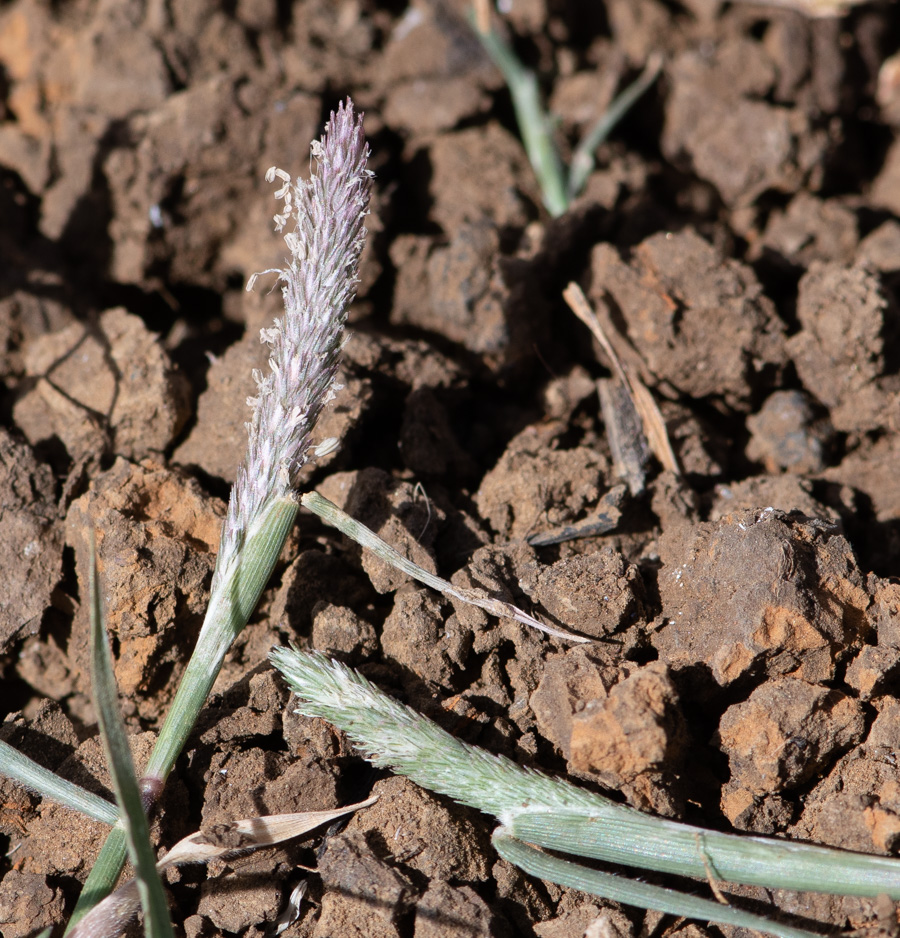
(535, 125)
(228, 612)
(121, 766)
(102, 877)
(36, 778)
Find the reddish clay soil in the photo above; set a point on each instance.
(740, 236)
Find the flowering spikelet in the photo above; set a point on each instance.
(319, 283)
(393, 735)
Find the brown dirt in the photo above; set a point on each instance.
(740, 232)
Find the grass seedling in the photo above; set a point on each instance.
(536, 126)
(109, 917)
(536, 811)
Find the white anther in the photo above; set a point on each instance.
(273, 173)
(326, 447)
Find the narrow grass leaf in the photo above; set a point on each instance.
(535, 125)
(101, 879)
(636, 839)
(115, 742)
(582, 162)
(47, 784)
(356, 531)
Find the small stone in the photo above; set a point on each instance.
(569, 682)
(594, 594)
(634, 739)
(786, 434)
(841, 351)
(765, 813)
(28, 904)
(759, 588)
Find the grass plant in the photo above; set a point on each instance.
(325, 221)
(536, 811)
(539, 817)
(537, 127)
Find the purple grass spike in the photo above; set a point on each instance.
(325, 221)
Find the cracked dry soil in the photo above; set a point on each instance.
(740, 234)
